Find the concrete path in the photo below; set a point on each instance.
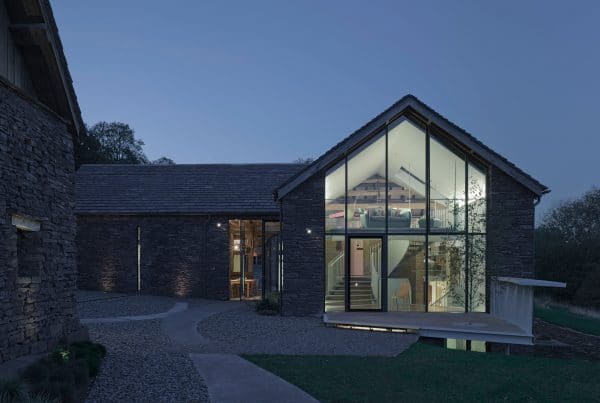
(232, 379)
(182, 328)
(178, 307)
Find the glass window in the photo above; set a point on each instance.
(334, 273)
(447, 188)
(366, 187)
(335, 198)
(477, 195)
(365, 273)
(357, 192)
(476, 280)
(446, 273)
(406, 273)
(407, 181)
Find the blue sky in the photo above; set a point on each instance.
(271, 81)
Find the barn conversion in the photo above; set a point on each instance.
(39, 118)
(410, 213)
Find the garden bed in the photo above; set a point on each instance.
(62, 376)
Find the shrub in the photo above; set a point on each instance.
(65, 373)
(11, 391)
(37, 372)
(91, 353)
(269, 305)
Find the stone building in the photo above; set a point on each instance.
(39, 118)
(410, 213)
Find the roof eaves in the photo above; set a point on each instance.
(61, 62)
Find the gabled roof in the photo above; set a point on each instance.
(180, 189)
(433, 118)
(34, 30)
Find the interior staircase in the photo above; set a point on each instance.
(361, 292)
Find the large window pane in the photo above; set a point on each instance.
(447, 187)
(365, 273)
(477, 197)
(366, 187)
(406, 273)
(334, 273)
(407, 181)
(476, 281)
(446, 273)
(335, 198)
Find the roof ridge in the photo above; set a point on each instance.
(414, 103)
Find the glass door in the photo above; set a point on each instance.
(364, 268)
(246, 259)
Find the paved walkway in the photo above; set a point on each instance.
(231, 379)
(178, 307)
(182, 328)
(189, 352)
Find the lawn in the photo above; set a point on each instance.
(429, 373)
(563, 317)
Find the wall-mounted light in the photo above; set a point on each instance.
(308, 231)
(218, 225)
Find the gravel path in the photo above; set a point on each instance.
(242, 331)
(143, 365)
(97, 304)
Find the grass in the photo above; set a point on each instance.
(429, 373)
(566, 318)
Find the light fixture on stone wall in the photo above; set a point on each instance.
(308, 231)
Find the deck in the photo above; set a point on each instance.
(467, 326)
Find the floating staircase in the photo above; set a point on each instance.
(360, 290)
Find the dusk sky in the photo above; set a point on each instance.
(255, 81)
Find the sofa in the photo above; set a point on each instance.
(374, 218)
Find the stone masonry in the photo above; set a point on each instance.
(37, 308)
(510, 224)
(185, 256)
(303, 253)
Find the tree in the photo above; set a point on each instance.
(163, 161)
(119, 145)
(112, 143)
(304, 161)
(88, 150)
(568, 249)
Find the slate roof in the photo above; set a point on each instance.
(180, 189)
(412, 103)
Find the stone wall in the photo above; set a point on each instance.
(186, 256)
(510, 224)
(303, 254)
(36, 180)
